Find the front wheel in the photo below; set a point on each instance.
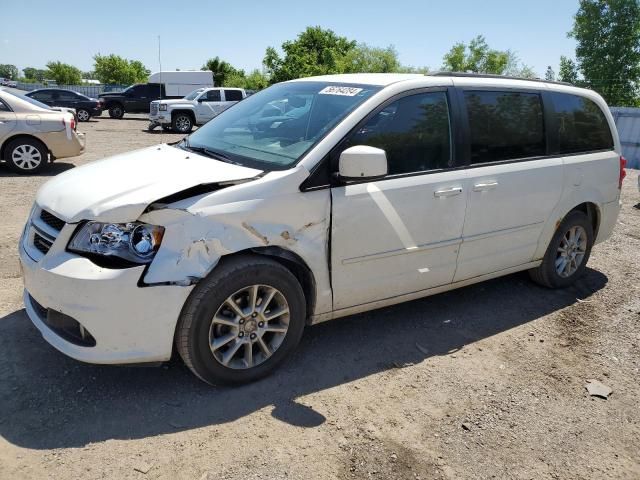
(241, 321)
(568, 252)
(182, 123)
(26, 155)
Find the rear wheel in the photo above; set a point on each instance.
(116, 111)
(26, 155)
(568, 252)
(242, 321)
(83, 115)
(182, 123)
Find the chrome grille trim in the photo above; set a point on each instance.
(41, 232)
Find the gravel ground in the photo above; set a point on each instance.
(483, 382)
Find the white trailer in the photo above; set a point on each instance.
(180, 83)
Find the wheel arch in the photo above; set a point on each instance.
(592, 211)
(21, 135)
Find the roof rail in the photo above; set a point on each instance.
(489, 75)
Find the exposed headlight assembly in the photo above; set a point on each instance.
(163, 107)
(135, 242)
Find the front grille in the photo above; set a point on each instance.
(41, 232)
(41, 243)
(51, 220)
(154, 108)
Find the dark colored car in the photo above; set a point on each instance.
(135, 99)
(85, 107)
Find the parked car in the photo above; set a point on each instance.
(197, 108)
(387, 188)
(85, 107)
(162, 85)
(12, 84)
(33, 134)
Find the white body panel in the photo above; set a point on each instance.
(367, 245)
(203, 110)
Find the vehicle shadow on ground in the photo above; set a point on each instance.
(50, 401)
(50, 170)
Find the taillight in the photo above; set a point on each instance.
(623, 173)
(73, 123)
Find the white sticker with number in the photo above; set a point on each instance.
(336, 90)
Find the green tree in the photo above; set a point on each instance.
(35, 74)
(550, 75)
(63, 73)
(8, 71)
(608, 50)
(110, 69)
(568, 71)
(516, 68)
(476, 57)
(366, 59)
(221, 71)
(315, 51)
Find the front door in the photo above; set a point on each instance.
(208, 106)
(7, 121)
(513, 186)
(400, 234)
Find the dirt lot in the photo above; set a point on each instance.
(484, 382)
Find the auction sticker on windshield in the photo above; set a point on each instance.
(336, 90)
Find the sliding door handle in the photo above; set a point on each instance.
(448, 192)
(483, 187)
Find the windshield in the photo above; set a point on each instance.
(274, 128)
(194, 94)
(30, 100)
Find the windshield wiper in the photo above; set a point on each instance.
(209, 152)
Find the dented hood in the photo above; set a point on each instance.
(119, 188)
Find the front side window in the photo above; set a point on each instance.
(232, 95)
(580, 124)
(505, 125)
(4, 107)
(414, 132)
(274, 128)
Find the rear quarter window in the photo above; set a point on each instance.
(580, 124)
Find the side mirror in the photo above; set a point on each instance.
(362, 162)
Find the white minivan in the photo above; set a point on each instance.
(312, 200)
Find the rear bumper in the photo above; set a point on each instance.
(63, 145)
(608, 219)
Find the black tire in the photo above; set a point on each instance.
(182, 123)
(232, 275)
(83, 115)
(116, 111)
(18, 147)
(546, 274)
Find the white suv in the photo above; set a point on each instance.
(197, 108)
(312, 200)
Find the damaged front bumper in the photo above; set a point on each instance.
(128, 323)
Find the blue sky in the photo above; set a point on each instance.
(36, 31)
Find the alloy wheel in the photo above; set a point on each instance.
(571, 251)
(183, 123)
(83, 115)
(249, 327)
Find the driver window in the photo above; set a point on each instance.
(414, 131)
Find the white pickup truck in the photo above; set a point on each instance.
(197, 108)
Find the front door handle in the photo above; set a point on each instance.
(483, 187)
(448, 192)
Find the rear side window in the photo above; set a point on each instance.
(580, 124)
(413, 131)
(232, 95)
(505, 125)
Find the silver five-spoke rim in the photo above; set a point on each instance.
(571, 251)
(249, 327)
(183, 123)
(83, 115)
(26, 157)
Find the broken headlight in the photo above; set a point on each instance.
(135, 242)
